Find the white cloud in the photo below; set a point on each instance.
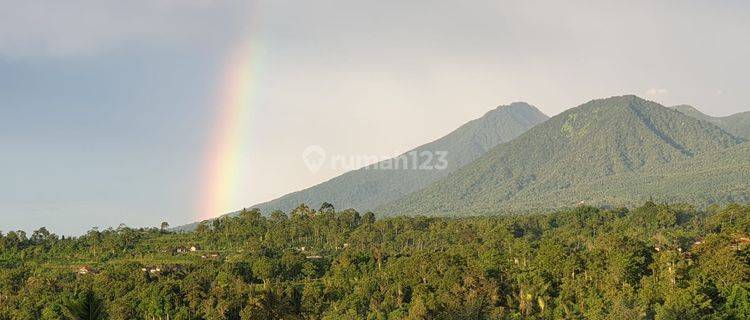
(656, 91)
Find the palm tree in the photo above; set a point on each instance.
(87, 307)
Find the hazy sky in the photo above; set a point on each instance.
(107, 108)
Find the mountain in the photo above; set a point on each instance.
(367, 188)
(737, 124)
(617, 151)
(370, 187)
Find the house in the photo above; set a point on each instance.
(84, 270)
(194, 248)
(181, 249)
(151, 270)
(315, 257)
(212, 255)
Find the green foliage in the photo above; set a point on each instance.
(652, 262)
(85, 307)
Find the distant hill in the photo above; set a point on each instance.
(618, 151)
(737, 124)
(368, 188)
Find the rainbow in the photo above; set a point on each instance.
(224, 165)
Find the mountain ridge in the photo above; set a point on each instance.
(463, 145)
(602, 139)
(737, 124)
(368, 188)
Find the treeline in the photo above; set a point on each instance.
(652, 262)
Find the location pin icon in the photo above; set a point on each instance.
(314, 158)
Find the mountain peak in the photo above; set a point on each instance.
(609, 141)
(521, 112)
(641, 119)
(616, 106)
(619, 101)
(513, 106)
(367, 188)
(622, 98)
(520, 104)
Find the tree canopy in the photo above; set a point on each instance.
(655, 261)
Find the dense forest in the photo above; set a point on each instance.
(652, 262)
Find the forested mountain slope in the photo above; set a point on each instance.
(367, 188)
(737, 124)
(616, 151)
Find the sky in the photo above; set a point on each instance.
(111, 111)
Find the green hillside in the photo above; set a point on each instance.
(737, 124)
(616, 151)
(367, 188)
